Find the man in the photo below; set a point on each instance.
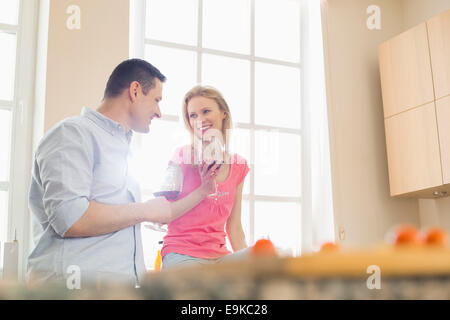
(87, 206)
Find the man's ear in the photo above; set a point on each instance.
(133, 90)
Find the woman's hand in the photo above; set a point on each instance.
(208, 186)
(208, 176)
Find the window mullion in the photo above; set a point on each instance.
(272, 198)
(6, 105)
(199, 47)
(9, 28)
(252, 123)
(138, 9)
(277, 62)
(306, 217)
(173, 45)
(4, 186)
(244, 125)
(199, 41)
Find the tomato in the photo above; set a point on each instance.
(435, 237)
(329, 246)
(263, 247)
(407, 235)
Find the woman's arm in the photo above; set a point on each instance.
(234, 226)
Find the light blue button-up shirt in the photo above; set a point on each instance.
(83, 158)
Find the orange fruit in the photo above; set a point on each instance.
(435, 237)
(263, 247)
(407, 235)
(329, 246)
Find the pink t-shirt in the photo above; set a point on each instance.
(201, 231)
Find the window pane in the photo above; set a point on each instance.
(180, 68)
(232, 78)
(9, 11)
(172, 20)
(235, 36)
(239, 142)
(3, 221)
(277, 29)
(277, 164)
(277, 100)
(7, 65)
(5, 143)
(280, 222)
(245, 219)
(151, 153)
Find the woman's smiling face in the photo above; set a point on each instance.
(204, 114)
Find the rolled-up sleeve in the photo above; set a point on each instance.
(65, 161)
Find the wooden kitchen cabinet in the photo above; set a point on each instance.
(413, 150)
(415, 83)
(439, 39)
(443, 116)
(405, 71)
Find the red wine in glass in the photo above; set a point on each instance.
(213, 163)
(172, 184)
(169, 195)
(216, 194)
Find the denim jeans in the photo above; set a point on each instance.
(173, 259)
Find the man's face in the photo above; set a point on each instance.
(146, 107)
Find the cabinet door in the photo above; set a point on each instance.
(413, 150)
(405, 71)
(443, 118)
(439, 36)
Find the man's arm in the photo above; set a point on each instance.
(103, 218)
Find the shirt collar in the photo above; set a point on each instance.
(106, 123)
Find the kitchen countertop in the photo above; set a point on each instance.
(404, 274)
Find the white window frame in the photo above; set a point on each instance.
(138, 41)
(10, 105)
(21, 129)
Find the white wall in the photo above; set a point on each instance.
(363, 206)
(79, 61)
(418, 11)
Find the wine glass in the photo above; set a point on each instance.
(172, 184)
(217, 193)
(171, 188)
(209, 148)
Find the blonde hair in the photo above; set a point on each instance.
(210, 93)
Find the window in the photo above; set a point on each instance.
(9, 27)
(250, 51)
(18, 20)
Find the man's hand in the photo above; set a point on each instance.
(162, 227)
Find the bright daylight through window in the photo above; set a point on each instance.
(250, 51)
(9, 13)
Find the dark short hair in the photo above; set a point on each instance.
(132, 70)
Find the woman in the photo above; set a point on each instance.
(199, 237)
